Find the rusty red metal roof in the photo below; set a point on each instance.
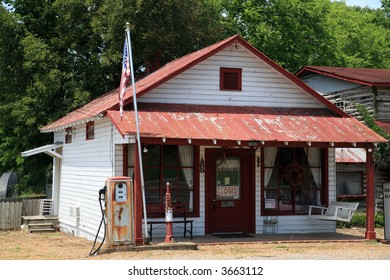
(363, 76)
(196, 122)
(350, 155)
(110, 100)
(385, 125)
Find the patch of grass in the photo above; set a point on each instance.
(17, 249)
(55, 234)
(282, 247)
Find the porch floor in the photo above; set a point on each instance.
(341, 235)
(181, 243)
(261, 238)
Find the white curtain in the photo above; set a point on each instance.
(186, 157)
(269, 161)
(130, 159)
(314, 159)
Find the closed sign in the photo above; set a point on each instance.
(225, 192)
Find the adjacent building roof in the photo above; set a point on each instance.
(350, 155)
(363, 76)
(225, 123)
(98, 107)
(385, 125)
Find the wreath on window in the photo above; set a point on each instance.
(293, 174)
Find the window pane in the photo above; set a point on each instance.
(349, 183)
(184, 189)
(293, 182)
(170, 156)
(228, 179)
(152, 156)
(152, 185)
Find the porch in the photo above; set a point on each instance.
(341, 235)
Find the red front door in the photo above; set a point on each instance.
(230, 191)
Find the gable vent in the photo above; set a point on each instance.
(230, 78)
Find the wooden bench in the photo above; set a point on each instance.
(178, 210)
(336, 211)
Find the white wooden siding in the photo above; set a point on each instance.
(85, 167)
(119, 160)
(261, 84)
(324, 84)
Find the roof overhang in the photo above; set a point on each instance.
(350, 155)
(269, 126)
(47, 149)
(385, 125)
(362, 76)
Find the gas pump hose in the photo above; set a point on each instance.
(101, 198)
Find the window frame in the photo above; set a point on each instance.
(90, 130)
(323, 190)
(68, 135)
(222, 78)
(162, 183)
(357, 173)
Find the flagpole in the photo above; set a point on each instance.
(137, 128)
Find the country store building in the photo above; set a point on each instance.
(228, 128)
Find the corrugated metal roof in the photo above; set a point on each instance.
(350, 155)
(243, 123)
(384, 125)
(364, 76)
(110, 100)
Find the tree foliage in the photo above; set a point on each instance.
(57, 55)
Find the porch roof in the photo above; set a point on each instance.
(49, 149)
(221, 123)
(350, 155)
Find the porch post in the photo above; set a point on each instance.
(137, 200)
(370, 195)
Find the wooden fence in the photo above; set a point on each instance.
(12, 210)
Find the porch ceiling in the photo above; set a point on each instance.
(172, 121)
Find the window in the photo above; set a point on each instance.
(349, 183)
(68, 135)
(167, 163)
(292, 179)
(230, 79)
(342, 104)
(90, 130)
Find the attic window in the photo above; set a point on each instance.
(230, 78)
(341, 104)
(90, 130)
(68, 135)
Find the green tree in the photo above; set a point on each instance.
(363, 40)
(57, 55)
(291, 32)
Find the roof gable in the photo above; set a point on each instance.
(96, 108)
(361, 76)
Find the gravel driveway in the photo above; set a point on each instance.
(16, 245)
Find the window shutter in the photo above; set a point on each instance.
(230, 78)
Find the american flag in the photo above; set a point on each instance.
(124, 78)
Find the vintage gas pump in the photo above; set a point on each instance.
(168, 216)
(119, 211)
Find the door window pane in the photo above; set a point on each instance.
(228, 179)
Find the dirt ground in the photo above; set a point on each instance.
(16, 245)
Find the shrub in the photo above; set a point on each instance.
(359, 220)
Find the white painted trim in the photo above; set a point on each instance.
(47, 149)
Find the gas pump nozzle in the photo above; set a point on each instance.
(102, 193)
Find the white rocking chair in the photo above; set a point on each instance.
(336, 211)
